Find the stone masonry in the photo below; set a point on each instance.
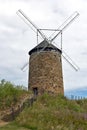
(45, 72)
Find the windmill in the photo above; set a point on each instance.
(45, 63)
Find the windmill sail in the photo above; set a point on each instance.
(65, 25)
(50, 40)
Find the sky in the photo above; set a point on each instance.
(17, 38)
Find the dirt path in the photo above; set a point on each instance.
(3, 123)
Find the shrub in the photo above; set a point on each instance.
(9, 93)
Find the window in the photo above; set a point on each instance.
(35, 90)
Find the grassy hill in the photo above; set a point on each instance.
(51, 112)
(55, 113)
(10, 94)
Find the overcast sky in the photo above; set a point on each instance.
(16, 38)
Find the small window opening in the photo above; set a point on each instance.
(35, 90)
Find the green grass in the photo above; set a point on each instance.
(55, 113)
(10, 94)
(50, 112)
(13, 126)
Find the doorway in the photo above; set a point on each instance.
(35, 90)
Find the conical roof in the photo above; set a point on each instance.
(44, 46)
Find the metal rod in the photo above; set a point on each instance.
(37, 37)
(61, 40)
(50, 29)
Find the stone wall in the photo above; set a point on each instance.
(45, 72)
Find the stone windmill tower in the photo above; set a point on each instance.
(45, 69)
(45, 62)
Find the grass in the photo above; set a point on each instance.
(54, 113)
(13, 126)
(10, 94)
(50, 112)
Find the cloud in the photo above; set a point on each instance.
(16, 38)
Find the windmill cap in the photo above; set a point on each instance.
(44, 46)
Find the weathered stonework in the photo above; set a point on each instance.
(45, 71)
